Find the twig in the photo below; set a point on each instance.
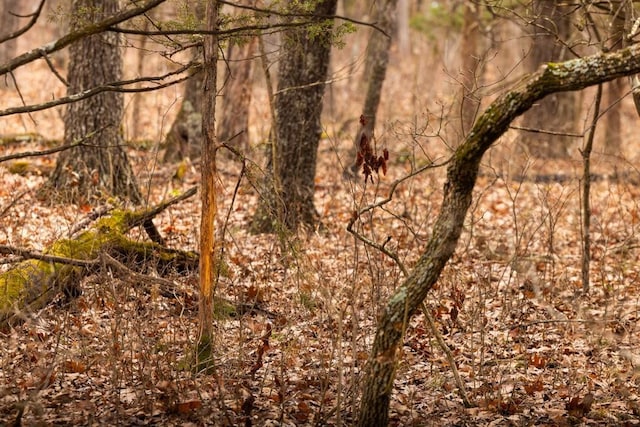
(34, 17)
(110, 87)
(95, 214)
(167, 287)
(78, 143)
(586, 190)
(392, 190)
(13, 203)
(303, 15)
(87, 30)
(452, 363)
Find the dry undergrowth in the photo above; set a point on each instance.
(529, 347)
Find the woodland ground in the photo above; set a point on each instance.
(530, 348)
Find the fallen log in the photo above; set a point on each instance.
(33, 283)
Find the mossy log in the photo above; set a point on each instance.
(32, 284)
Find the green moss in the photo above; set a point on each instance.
(223, 310)
(13, 284)
(20, 167)
(204, 356)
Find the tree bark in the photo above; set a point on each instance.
(375, 71)
(184, 139)
(298, 103)
(102, 168)
(208, 264)
(8, 23)
(461, 177)
(551, 31)
(471, 71)
(185, 135)
(236, 93)
(81, 32)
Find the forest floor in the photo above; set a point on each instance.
(530, 347)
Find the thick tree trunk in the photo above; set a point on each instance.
(551, 34)
(99, 167)
(461, 177)
(298, 104)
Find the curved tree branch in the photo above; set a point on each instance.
(110, 87)
(34, 17)
(461, 177)
(73, 36)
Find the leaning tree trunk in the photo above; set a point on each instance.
(551, 30)
(298, 104)
(461, 177)
(100, 165)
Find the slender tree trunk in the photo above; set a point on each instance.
(101, 166)
(461, 177)
(208, 264)
(404, 39)
(236, 93)
(470, 64)
(298, 103)
(184, 139)
(185, 135)
(375, 72)
(8, 24)
(551, 31)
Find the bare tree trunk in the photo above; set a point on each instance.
(404, 42)
(470, 67)
(208, 265)
(551, 31)
(375, 72)
(185, 136)
(100, 167)
(298, 103)
(461, 177)
(236, 93)
(614, 93)
(8, 24)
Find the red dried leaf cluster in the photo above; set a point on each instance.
(366, 156)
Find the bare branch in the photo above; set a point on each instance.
(50, 150)
(31, 23)
(303, 15)
(27, 254)
(110, 87)
(73, 36)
